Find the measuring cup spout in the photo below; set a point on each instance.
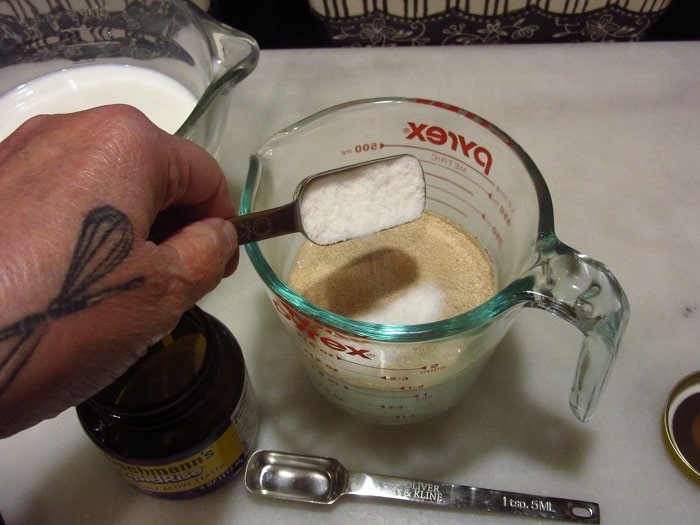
(233, 56)
(584, 292)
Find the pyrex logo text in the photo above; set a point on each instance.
(313, 331)
(439, 136)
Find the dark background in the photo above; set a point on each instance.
(290, 23)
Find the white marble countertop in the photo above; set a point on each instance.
(615, 130)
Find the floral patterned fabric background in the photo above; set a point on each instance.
(39, 30)
(462, 22)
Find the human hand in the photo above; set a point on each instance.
(84, 292)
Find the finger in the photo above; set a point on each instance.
(199, 256)
(196, 184)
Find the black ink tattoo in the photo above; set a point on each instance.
(106, 238)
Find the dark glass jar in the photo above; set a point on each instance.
(182, 420)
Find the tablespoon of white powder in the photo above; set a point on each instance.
(362, 199)
(344, 204)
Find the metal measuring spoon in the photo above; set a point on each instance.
(353, 213)
(348, 213)
(322, 480)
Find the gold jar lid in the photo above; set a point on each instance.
(682, 425)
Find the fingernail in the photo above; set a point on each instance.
(226, 227)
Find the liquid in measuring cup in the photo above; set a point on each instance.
(166, 102)
(424, 271)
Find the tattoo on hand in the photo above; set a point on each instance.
(106, 238)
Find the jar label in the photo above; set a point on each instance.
(189, 475)
(245, 417)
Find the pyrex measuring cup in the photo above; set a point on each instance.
(172, 37)
(479, 178)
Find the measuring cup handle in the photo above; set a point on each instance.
(586, 293)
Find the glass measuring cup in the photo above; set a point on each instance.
(478, 177)
(171, 37)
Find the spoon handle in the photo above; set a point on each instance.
(459, 496)
(262, 225)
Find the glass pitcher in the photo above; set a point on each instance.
(174, 38)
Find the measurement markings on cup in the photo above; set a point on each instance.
(420, 369)
(458, 172)
(436, 155)
(454, 164)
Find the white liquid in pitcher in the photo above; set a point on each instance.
(165, 101)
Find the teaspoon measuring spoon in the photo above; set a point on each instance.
(344, 203)
(322, 480)
(341, 204)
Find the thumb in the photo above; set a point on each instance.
(201, 254)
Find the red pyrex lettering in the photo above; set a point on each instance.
(346, 348)
(312, 330)
(456, 142)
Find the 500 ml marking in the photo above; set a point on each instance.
(362, 148)
(535, 504)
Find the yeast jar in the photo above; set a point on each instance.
(183, 419)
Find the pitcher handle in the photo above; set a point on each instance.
(584, 292)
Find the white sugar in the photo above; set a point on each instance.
(361, 201)
(421, 303)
